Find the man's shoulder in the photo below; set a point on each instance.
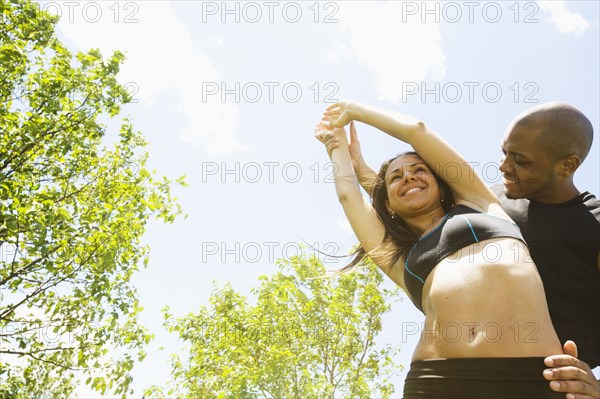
(498, 189)
(592, 204)
(500, 192)
(517, 209)
(590, 199)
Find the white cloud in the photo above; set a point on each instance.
(333, 56)
(217, 40)
(160, 56)
(395, 51)
(564, 20)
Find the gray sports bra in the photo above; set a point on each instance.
(461, 227)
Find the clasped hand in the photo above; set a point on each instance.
(330, 131)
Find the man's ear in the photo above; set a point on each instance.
(568, 165)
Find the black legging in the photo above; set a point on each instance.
(479, 378)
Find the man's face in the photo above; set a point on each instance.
(527, 167)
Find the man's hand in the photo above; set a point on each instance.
(354, 146)
(571, 375)
(366, 175)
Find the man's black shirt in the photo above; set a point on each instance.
(564, 242)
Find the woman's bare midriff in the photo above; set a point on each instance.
(486, 300)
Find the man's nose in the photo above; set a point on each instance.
(505, 165)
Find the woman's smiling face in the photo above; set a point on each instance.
(411, 186)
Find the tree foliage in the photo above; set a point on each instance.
(72, 213)
(306, 337)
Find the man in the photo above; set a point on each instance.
(542, 149)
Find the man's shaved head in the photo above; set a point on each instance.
(562, 129)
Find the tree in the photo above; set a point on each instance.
(306, 337)
(72, 213)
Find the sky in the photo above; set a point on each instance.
(228, 94)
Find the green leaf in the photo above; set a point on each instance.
(297, 327)
(70, 223)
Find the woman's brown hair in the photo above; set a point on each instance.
(397, 232)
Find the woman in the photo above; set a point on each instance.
(450, 246)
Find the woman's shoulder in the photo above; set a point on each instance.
(492, 209)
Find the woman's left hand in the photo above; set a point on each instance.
(339, 114)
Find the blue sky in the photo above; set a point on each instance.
(229, 95)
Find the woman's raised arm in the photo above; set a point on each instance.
(466, 186)
(362, 217)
